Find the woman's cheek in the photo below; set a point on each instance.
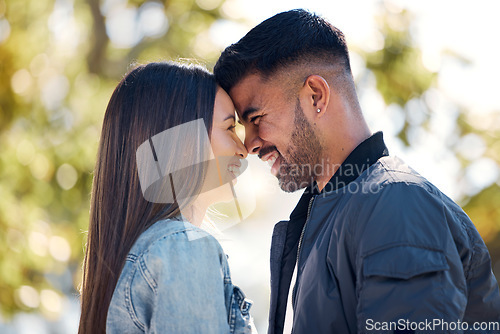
(224, 144)
(216, 141)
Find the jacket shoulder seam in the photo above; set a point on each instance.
(388, 170)
(164, 237)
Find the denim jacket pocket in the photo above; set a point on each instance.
(240, 321)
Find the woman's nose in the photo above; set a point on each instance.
(241, 149)
(253, 143)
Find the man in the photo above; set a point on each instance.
(375, 246)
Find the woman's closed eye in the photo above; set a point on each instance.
(232, 128)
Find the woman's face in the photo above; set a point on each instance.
(226, 146)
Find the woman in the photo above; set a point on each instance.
(148, 267)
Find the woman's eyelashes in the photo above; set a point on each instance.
(232, 128)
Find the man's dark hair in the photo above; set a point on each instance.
(289, 37)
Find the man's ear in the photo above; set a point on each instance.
(315, 95)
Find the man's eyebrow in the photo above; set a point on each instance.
(247, 113)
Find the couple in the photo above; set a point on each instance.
(371, 246)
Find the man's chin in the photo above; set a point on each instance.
(289, 185)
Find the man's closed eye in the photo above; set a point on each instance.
(253, 119)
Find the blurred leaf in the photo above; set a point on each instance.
(484, 211)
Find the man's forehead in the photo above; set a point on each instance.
(246, 93)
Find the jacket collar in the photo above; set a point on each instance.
(362, 157)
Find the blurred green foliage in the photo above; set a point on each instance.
(59, 63)
(398, 69)
(401, 78)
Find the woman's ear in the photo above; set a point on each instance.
(315, 95)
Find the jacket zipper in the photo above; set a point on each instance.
(303, 231)
(299, 248)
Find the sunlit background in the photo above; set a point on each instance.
(427, 75)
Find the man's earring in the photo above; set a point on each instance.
(319, 110)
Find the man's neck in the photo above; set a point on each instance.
(332, 162)
(362, 156)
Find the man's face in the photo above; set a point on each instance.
(277, 130)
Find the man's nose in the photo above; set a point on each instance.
(253, 142)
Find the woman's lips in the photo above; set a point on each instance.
(234, 170)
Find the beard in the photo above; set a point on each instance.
(297, 169)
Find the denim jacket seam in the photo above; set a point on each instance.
(131, 257)
(146, 274)
(232, 315)
(150, 246)
(129, 303)
(226, 272)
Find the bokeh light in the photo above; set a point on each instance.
(28, 296)
(66, 176)
(59, 248)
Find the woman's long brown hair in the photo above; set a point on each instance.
(147, 101)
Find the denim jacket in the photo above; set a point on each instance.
(176, 280)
